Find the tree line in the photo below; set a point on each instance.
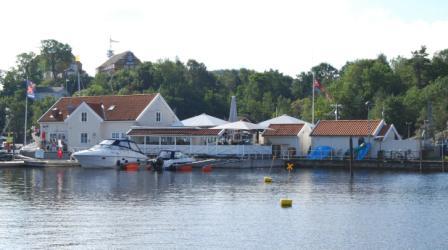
(408, 92)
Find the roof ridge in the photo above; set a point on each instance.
(67, 97)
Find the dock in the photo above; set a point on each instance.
(407, 165)
(12, 164)
(50, 163)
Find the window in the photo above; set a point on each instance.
(152, 140)
(115, 135)
(83, 116)
(124, 136)
(179, 155)
(83, 137)
(182, 141)
(167, 141)
(158, 116)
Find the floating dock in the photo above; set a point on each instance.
(11, 164)
(50, 163)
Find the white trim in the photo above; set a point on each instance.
(392, 127)
(152, 102)
(379, 127)
(77, 110)
(147, 107)
(172, 112)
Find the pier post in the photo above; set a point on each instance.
(351, 157)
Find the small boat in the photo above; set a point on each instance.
(111, 153)
(170, 160)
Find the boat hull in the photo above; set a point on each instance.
(91, 161)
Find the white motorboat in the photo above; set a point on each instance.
(170, 160)
(112, 153)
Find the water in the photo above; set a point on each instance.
(84, 209)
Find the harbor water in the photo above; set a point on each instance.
(75, 208)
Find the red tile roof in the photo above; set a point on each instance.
(127, 107)
(283, 130)
(174, 131)
(345, 127)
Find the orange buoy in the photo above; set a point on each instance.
(131, 166)
(184, 168)
(207, 168)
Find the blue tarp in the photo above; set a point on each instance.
(363, 151)
(320, 152)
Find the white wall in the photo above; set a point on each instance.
(148, 117)
(340, 143)
(52, 127)
(305, 139)
(109, 127)
(75, 127)
(285, 141)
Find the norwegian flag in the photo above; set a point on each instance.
(317, 84)
(30, 89)
(320, 86)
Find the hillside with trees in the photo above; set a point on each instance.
(404, 91)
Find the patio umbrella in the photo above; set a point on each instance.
(240, 125)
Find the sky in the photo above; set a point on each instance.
(289, 36)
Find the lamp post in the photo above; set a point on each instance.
(408, 124)
(368, 104)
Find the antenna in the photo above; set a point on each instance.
(110, 52)
(336, 106)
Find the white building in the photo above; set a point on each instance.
(81, 122)
(202, 121)
(288, 140)
(381, 136)
(283, 119)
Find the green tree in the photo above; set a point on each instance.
(56, 56)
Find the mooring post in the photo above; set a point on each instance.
(351, 156)
(443, 152)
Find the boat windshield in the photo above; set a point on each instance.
(107, 142)
(165, 154)
(120, 144)
(179, 155)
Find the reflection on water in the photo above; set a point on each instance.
(83, 208)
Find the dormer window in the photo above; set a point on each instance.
(158, 116)
(83, 116)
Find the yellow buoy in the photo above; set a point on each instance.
(286, 202)
(267, 179)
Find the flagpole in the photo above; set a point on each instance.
(26, 112)
(312, 105)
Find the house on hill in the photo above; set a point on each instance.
(381, 137)
(56, 92)
(123, 60)
(81, 122)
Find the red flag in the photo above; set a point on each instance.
(317, 84)
(320, 86)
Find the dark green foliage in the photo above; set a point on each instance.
(400, 90)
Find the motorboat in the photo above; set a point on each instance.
(170, 160)
(111, 153)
